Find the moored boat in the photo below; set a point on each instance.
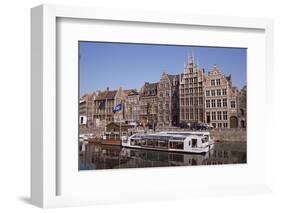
(171, 141)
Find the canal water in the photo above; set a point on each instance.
(97, 156)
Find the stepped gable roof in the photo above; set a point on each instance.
(106, 95)
(171, 77)
(131, 92)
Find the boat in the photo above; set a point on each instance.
(189, 142)
(205, 134)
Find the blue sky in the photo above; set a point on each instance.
(131, 65)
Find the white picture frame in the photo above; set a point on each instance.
(45, 171)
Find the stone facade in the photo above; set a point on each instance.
(86, 110)
(242, 107)
(132, 106)
(191, 97)
(191, 93)
(220, 100)
(168, 96)
(103, 106)
(149, 105)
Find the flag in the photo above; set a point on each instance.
(102, 104)
(117, 108)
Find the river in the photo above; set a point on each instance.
(97, 156)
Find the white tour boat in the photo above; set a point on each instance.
(191, 142)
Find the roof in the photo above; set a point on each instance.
(106, 95)
(171, 77)
(149, 87)
(131, 92)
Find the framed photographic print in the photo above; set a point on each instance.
(149, 106)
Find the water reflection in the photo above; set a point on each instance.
(98, 156)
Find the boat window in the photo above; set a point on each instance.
(194, 142)
(176, 145)
(163, 144)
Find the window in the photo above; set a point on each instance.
(219, 116)
(200, 100)
(213, 116)
(213, 103)
(213, 83)
(232, 104)
(213, 92)
(224, 102)
(218, 82)
(214, 125)
(219, 125)
(195, 80)
(182, 101)
(196, 101)
(218, 102)
(191, 91)
(191, 114)
(223, 91)
(191, 101)
(218, 92)
(224, 115)
(194, 142)
(167, 94)
(224, 125)
(208, 104)
(207, 92)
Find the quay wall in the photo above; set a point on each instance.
(229, 135)
(226, 135)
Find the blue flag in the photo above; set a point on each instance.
(117, 108)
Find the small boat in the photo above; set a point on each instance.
(190, 142)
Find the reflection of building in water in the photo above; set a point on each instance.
(223, 154)
(112, 157)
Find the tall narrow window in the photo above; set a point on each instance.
(218, 92)
(219, 116)
(218, 102)
(208, 104)
(213, 103)
(218, 81)
(224, 115)
(213, 116)
(224, 102)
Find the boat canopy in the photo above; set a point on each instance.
(161, 137)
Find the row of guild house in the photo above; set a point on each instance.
(191, 97)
